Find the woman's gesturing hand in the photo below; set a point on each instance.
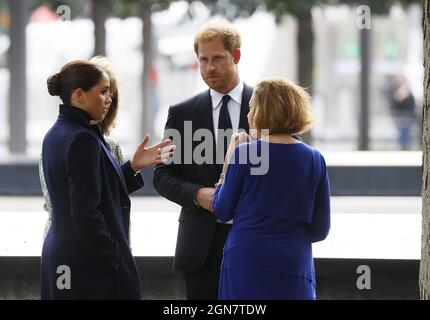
(236, 139)
(148, 156)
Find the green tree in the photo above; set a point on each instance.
(376, 8)
(76, 6)
(231, 9)
(100, 10)
(144, 9)
(302, 9)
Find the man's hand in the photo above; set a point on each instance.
(205, 198)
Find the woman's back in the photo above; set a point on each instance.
(279, 205)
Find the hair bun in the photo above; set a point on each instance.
(54, 85)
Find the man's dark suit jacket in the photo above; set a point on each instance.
(180, 182)
(90, 214)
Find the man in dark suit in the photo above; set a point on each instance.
(222, 108)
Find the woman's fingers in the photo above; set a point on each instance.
(165, 158)
(168, 148)
(145, 140)
(162, 144)
(166, 155)
(240, 137)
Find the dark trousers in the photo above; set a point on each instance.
(203, 284)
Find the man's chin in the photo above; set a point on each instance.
(214, 85)
(212, 82)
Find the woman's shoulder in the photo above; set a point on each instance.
(316, 154)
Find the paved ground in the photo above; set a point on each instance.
(380, 233)
(362, 227)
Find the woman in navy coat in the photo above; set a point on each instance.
(279, 206)
(86, 252)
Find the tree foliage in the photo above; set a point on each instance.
(380, 7)
(232, 9)
(77, 7)
(295, 7)
(128, 8)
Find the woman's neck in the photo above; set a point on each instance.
(280, 138)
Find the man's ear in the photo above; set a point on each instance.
(236, 55)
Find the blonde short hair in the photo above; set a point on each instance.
(280, 105)
(109, 121)
(222, 29)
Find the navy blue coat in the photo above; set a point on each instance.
(89, 234)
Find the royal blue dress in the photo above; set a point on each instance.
(276, 217)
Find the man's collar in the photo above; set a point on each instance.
(235, 94)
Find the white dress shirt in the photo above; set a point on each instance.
(233, 106)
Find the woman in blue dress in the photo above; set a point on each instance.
(276, 215)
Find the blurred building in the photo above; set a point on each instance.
(268, 50)
(396, 46)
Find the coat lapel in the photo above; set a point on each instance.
(116, 166)
(112, 160)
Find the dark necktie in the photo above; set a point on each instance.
(224, 123)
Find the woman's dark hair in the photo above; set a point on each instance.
(74, 75)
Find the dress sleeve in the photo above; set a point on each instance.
(47, 206)
(133, 182)
(47, 201)
(115, 149)
(227, 195)
(320, 225)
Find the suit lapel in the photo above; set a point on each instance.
(204, 110)
(244, 108)
(205, 120)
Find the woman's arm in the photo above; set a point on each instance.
(47, 204)
(320, 225)
(229, 189)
